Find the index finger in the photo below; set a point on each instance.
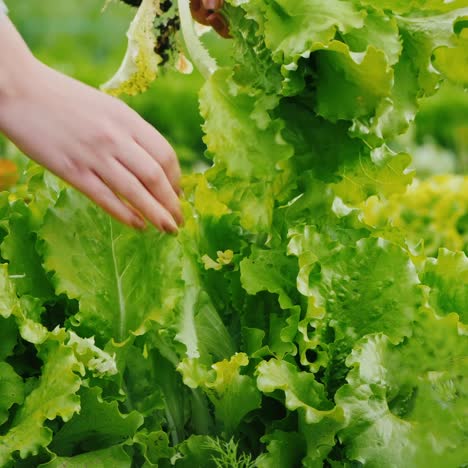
(160, 150)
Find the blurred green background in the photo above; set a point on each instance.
(77, 37)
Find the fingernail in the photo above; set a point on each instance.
(170, 226)
(179, 219)
(178, 214)
(139, 223)
(218, 23)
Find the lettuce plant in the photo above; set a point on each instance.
(313, 310)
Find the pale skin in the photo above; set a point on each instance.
(91, 140)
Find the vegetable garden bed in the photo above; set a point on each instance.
(312, 311)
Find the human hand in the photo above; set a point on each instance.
(206, 12)
(96, 143)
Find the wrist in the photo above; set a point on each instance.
(18, 66)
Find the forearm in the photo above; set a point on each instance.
(16, 60)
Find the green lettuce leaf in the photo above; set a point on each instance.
(98, 425)
(19, 248)
(139, 66)
(233, 395)
(8, 336)
(283, 449)
(263, 146)
(450, 60)
(294, 29)
(447, 277)
(430, 213)
(113, 456)
(26, 312)
(404, 7)
(114, 298)
(406, 403)
(318, 417)
(55, 395)
(154, 446)
(11, 390)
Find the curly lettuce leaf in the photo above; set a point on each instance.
(11, 390)
(55, 395)
(447, 278)
(294, 29)
(282, 449)
(115, 456)
(25, 312)
(114, 297)
(98, 425)
(451, 61)
(261, 148)
(431, 212)
(405, 404)
(139, 66)
(319, 418)
(8, 336)
(19, 248)
(233, 395)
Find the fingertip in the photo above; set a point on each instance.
(176, 212)
(138, 223)
(170, 226)
(219, 24)
(180, 218)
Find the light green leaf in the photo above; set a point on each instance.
(155, 446)
(139, 66)
(351, 85)
(261, 148)
(233, 395)
(19, 248)
(406, 404)
(54, 396)
(115, 457)
(98, 425)
(319, 419)
(11, 390)
(430, 213)
(94, 359)
(411, 6)
(293, 29)
(380, 31)
(24, 311)
(452, 62)
(447, 277)
(301, 390)
(384, 174)
(422, 35)
(283, 449)
(115, 299)
(371, 286)
(367, 287)
(272, 271)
